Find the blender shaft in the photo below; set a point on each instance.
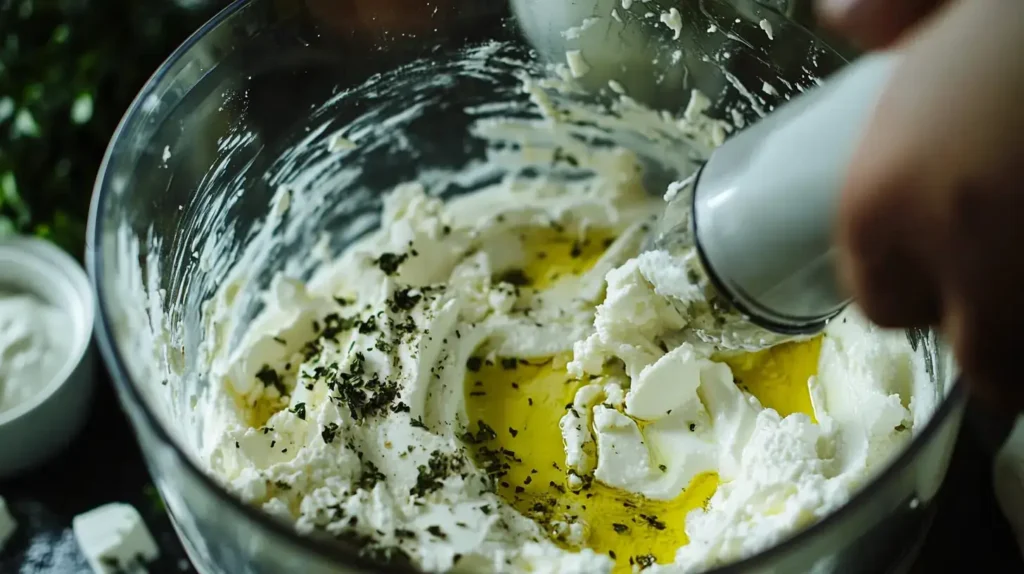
(765, 204)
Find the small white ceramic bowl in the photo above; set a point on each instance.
(37, 429)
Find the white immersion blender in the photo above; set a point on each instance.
(762, 210)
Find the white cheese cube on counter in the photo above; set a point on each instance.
(7, 524)
(114, 538)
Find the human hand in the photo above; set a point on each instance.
(932, 213)
(875, 24)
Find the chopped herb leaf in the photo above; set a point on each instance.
(404, 300)
(368, 326)
(483, 434)
(516, 277)
(370, 477)
(653, 522)
(390, 262)
(270, 378)
(329, 432)
(335, 324)
(644, 561)
(431, 475)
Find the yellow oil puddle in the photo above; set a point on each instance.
(554, 252)
(257, 412)
(778, 376)
(522, 402)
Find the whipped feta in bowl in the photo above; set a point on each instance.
(406, 318)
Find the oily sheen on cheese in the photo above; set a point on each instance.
(493, 384)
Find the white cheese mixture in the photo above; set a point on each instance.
(777, 474)
(32, 349)
(367, 438)
(343, 410)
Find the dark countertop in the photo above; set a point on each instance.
(102, 465)
(105, 465)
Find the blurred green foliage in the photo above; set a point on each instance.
(68, 71)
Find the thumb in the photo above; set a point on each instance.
(874, 24)
(1008, 480)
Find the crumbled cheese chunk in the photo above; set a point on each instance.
(674, 20)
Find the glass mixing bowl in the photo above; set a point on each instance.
(255, 99)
